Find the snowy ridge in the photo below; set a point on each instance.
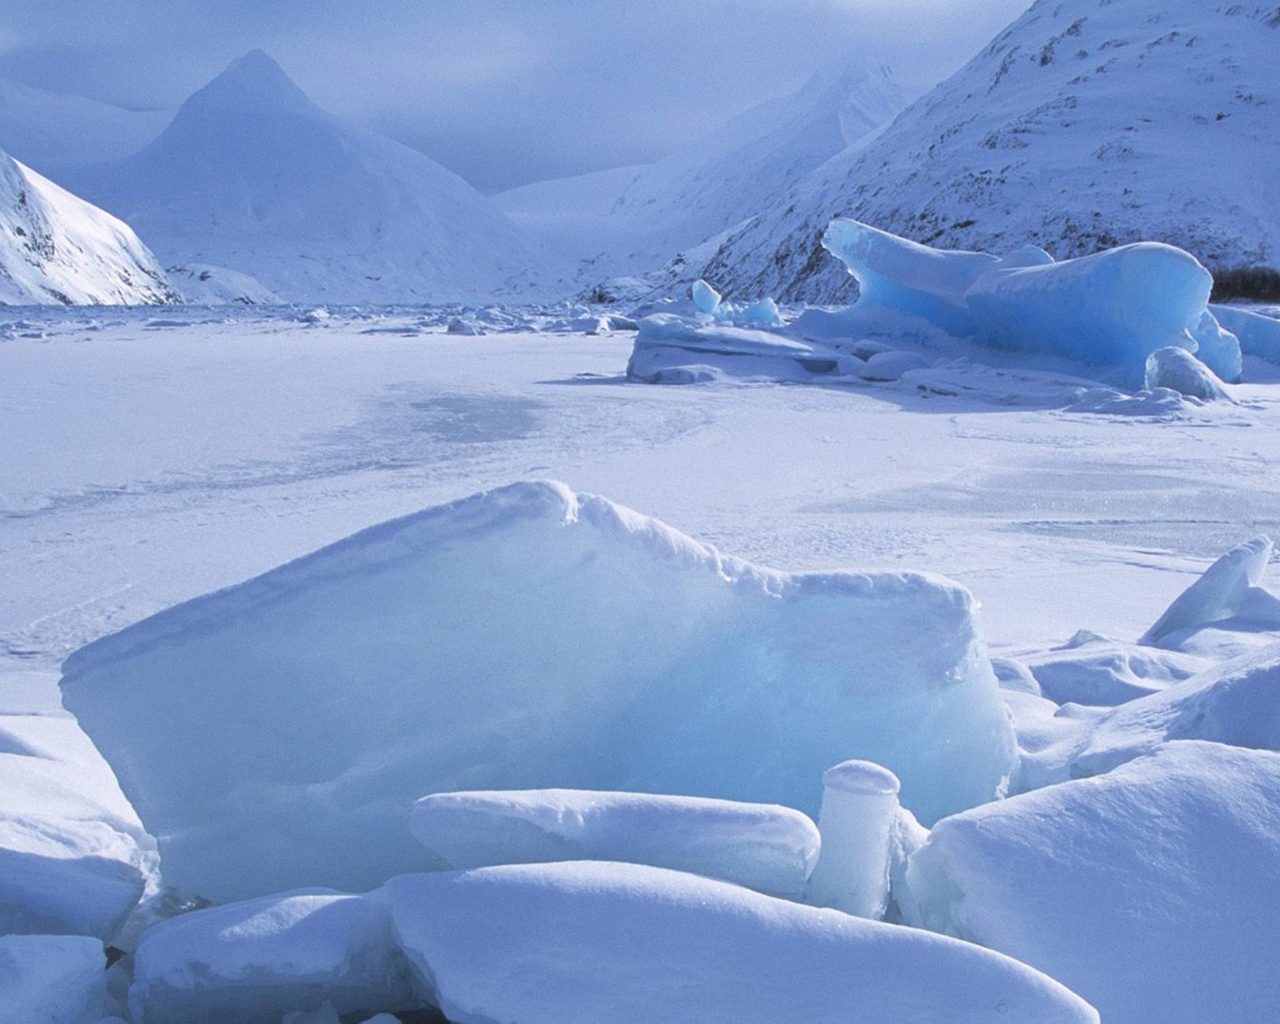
(631, 219)
(1084, 125)
(57, 248)
(253, 176)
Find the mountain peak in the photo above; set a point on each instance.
(254, 81)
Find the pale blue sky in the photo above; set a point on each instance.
(502, 91)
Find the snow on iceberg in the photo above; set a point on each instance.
(276, 734)
(51, 979)
(74, 858)
(764, 847)
(1108, 311)
(668, 346)
(1152, 891)
(580, 942)
(250, 962)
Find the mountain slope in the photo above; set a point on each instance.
(253, 176)
(56, 132)
(56, 248)
(632, 218)
(1085, 124)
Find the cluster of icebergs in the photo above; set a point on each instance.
(1137, 318)
(541, 664)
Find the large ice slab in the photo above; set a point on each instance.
(276, 734)
(74, 858)
(585, 942)
(763, 846)
(51, 979)
(1153, 890)
(1108, 311)
(253, 962)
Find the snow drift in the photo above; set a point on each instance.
(581, 942)
(276, 734)
(55, 248)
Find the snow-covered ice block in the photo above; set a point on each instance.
(859, 812)
(276, 734)
(1237, 702)
(1153, 890)
(1228, 589)
(666, 341)
(74, 858)
(889, 366)
(1178, 370)
(245, 963)
(762, 846)
(51, 979)
(586, 942)
(1107, 311)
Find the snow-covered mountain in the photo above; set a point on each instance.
(631, 219)
(253, 176)
(56, 132)
(56, 248)
(1085, 124)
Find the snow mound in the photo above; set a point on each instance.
(512, 640)
(1099, 671)
(251, 175)
(1180, 371)
(1152, 891)
(668, 344)
(55, 248)
(764, 847)
(1109, 311)
(255, 961)
(590, 941)
(1237, 702)
(74, 858)
(51, 979)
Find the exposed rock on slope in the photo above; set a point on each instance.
(1086, 124)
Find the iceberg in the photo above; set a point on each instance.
(667, 345)
(255, 961)
(592, 941)
(764, 847)
(1108, 311)
(276, 734)
(1152, 891)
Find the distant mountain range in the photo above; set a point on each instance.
(56, 248)
(1085, 124)
(251, 175)
(628, 220)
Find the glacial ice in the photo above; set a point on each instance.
(579, 942)
(276, 734)
(1107, 311)
(1258, 335)
(255, 961)
(51, 979)
(705, 298)
(1178, 370)
(1152, 890)
(764, 847)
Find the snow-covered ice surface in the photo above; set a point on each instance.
(152, 457)
(765, 847)
(581, 942)
(51, 979)
(1152, 890)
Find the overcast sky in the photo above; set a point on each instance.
(501, 91)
